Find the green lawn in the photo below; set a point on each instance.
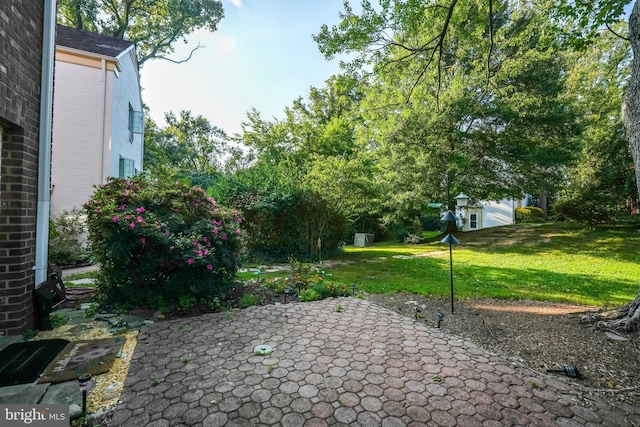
(551, 262)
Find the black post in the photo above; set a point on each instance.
(83, 380)
(451, 270)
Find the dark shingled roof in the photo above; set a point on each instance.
(90, 42)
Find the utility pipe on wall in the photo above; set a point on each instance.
(44, 142)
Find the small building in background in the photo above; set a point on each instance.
(476, 215)
(97, 115)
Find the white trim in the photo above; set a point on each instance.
(44, 143)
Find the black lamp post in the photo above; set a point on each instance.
(450, 219)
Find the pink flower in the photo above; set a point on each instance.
(132, 226)
(115, 218)
(122, 207)
(128, 216)
(206, 252)
(143, 240)
(139, 219)
(126, 192)
(238, 231)
(209, 267)
(166, 233)
(215, 231)
(195, 243)
(190, 261)
(199, 253)
(223, 237)
(97, 210)
(140, 209)
(204, 239)
(239, 220)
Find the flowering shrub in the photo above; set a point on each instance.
(158, 243)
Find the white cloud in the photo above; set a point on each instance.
(226, 44)
(237, 3)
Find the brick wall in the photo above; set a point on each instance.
(20, 72)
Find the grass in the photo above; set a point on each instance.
(79, 276)
(551, 262)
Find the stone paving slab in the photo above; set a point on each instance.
(362, 366)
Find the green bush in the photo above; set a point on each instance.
(281, 225)
(309, 295)
(64, 244)
(157, 243)
(529, 214)
(430, 223)
(584, 211)
(247, 300)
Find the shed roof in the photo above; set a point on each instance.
(90, 42)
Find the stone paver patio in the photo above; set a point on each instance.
(364, 365)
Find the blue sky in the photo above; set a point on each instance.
(261, 56)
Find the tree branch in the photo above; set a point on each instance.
(437, 48)
(490, 42)
(182, 60)
(616, 34)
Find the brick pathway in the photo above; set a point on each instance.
(363, 366)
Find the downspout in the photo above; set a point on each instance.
(44, 143)
(103, 109)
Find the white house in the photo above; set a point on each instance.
(485, 214)
(97, 115)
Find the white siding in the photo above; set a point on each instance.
(498, 213)
(91, 128)
(126, 90)
(77, 139)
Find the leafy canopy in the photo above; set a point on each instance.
(152, 25)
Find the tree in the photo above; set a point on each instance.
(602, 179)
(588, 19)
(188, 147)
(459, 102)
(152, 25)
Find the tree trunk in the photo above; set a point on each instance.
(631, 101)
(628, 319)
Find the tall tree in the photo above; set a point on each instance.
(465, 97)
(603, 177)
(188, 147)
(153, 25)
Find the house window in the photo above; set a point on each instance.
(136, 122)
(473, 221)
(127, 168)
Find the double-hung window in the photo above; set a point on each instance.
(127, 168)
(136, 122)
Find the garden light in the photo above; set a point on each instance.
(439, 318)
(570, 371)
(83, 380)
